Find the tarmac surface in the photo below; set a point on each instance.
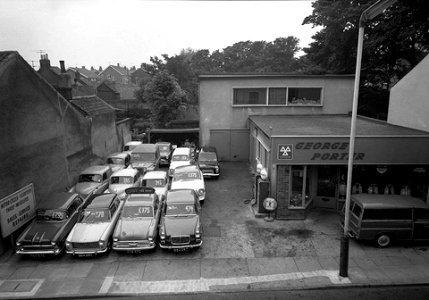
(239, 253)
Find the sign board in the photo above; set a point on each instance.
(270, 204)
(17, 209)
(285, 151)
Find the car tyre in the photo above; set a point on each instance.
(384, 240)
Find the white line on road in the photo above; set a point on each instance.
(205, 284)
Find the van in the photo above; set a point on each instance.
(386, 218)
(182, 156)
(145, 157)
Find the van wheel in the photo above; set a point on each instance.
(384, 240)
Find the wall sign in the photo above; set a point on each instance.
(17, 209)
(285, 151)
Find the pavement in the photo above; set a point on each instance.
(239, 253)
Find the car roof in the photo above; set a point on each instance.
(56, 201)
(125, 172)
(181, 151)
(119, 155)
(163, 143)
(388, 201)
(101, 201)
(181, 196)
(132, 143)
(208, 149)
(145, 148)
(187, 168)
(95, 169)
(155, 175)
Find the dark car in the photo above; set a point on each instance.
(208, 162)
(165, 151)
(55, 218)
(180, 225)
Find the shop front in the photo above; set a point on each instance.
(310, 170)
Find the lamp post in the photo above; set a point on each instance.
(368, 14)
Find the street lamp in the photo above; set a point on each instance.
(367, 15)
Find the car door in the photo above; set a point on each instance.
(421, 224)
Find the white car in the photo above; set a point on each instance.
(92, 234)
(158, 180)
(189, 177)
(182, 156)
(118, 161)
(123, 179)
(129, 146)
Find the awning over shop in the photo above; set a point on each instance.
(324, 139)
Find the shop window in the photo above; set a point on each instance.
(250, 96)
(299, 187)
(277, 96)
(304, 96)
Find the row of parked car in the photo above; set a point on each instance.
(129, 204)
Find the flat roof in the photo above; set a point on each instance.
(269, 75)
(329, 125)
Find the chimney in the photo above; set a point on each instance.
(118, 64)
(83, 67)
(44, 62)
(62, 67)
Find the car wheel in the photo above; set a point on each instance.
(384, 240)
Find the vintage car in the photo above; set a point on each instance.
(180, 225)
(182, 156)
(123, 179)
(189, 177)
(208, 163)
(118, 161)
(137, 227)
(92, 234)
(159, 180)
(165, 151)
(129, 146)
(55, 217)
(145, 157)
(93, 180)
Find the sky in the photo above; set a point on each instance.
(107, 32)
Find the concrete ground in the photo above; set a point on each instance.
(240, 252)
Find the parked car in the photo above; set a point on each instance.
(129, 146)
(118, 161)
(92, 180)
(123, 179)
(159, 180)
(55, 217)
(182, 156)
(92, 234)
(137, 227)
(145, 157)
(189, 177)
(208, 163)
(386, 218)
(180, 225)
(165, 150)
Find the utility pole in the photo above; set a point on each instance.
(367, 15)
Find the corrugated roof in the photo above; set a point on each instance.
(326, 125)
(92, 105)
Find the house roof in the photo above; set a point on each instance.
(328, 125)
(5, 54)
(120, 70)
(84, 72)
(92, 105)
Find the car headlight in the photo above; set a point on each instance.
(102, 244)
(162, 233)
(53, 244)
(68, 245)
(150, 239)
(18, 244)
(115, 239)
(201, 192)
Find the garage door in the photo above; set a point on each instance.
(231, 144)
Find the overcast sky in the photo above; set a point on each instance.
(102, 32)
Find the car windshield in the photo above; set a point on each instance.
(115, 161)
(154, 182)
(92, 215)
(180, 209)
(185, 176)
(50, 215)
(142, 157)
(89, 178)
(129, 147)
(207, 156)
(137, 212)
(164, 148)
(121, 180)
(180, 158)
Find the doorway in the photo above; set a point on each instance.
(327, 187)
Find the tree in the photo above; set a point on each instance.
(164, 97)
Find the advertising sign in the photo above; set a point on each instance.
(285, 151)
(17, 209)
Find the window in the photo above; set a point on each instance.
(357, 210)
(387, 214)
(250, 96)
(304, 96)
(277, 96)
(299, 187)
